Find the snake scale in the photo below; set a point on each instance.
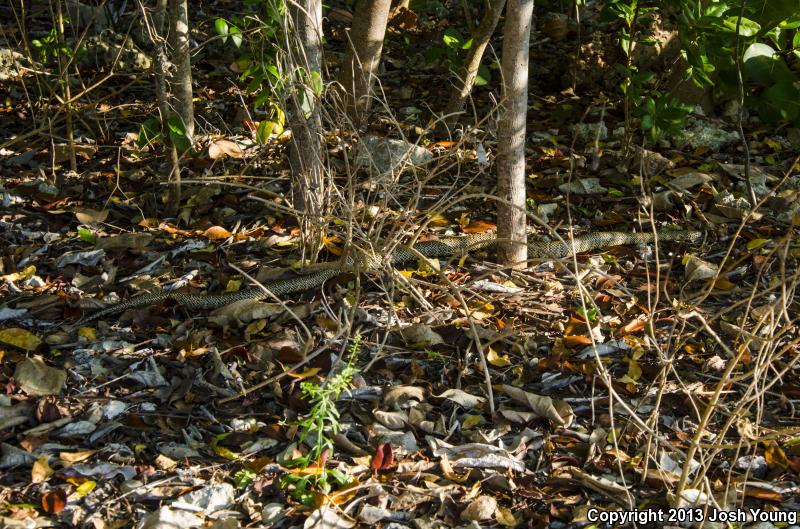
(444, 247)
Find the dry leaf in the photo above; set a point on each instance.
(20, 338)
(91, 216)
(54, 502)
(481, 508)
(216, 233)
(38, 379)
(222, 148)
(557, 411)
(479, 226)
(41, 470)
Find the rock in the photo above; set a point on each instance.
(208, 499)
(583, 186)
(588, 132)
(166, 518)
(109, 49)
(703, 134)
(10, 63)
(755, 465)
(388, 156)
(558, 26)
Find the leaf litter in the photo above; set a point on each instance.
(600, 374)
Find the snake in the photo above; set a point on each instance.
(538, 248)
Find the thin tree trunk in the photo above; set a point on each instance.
(160, 61)
(63, 76)
(182, 79)
(306, 155)
(483, 33)
(364, 55)
(513, 248)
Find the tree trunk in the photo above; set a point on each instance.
(182, 79)
(513, 248)
(306, 154)
(160, 62)
(484, 32)
(364, 55)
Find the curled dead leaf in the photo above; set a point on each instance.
(91, 216)
(221, 148)
(555, 410)
(54, 502)
(216, 233)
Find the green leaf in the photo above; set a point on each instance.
(149, 132)
(221, 25)
(236, 36)
(264, 131)
(590, 315)
(452, 38)
(763, 65)
(273, 71)
(86, 235)
(306, 104)
(484, 76)
(177, 133)
(244, 478)
(780, 101)
(316, 83)
(747, 27)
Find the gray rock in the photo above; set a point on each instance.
(588, 132)
(10, 63)
(385, 155)
(111, 50)
(703, 134)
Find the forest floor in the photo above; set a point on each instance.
(508, 398)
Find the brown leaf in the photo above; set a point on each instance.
(41, 470)
(383, 458)
(577, 341)
(631, 327)
(91, 216)
(221, 148)
(555, 410)
(404, 18)
(479, 226)
(763, 494)
(46, 411)
(54, 502)
(216, 233)
(775, 456)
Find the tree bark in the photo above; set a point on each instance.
(483, 33)
(513, 248)
(306, 154)
(364, 55)
(182, 79)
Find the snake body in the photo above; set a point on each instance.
(443, 247)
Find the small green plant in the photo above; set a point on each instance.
(658, 113)
(763, 34)
(319, 425)
(256, 34)
(244, 478)
(48, 47)
(449, 55)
